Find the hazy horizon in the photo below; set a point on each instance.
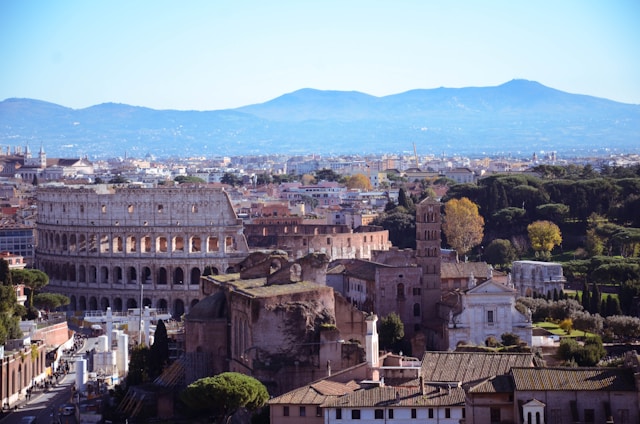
(200, 55)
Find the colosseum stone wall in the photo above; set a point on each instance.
(113, 246)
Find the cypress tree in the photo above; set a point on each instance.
(595, 299)
(402, 198)
(159, 352)
(586, 299)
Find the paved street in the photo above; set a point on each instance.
(46, 405)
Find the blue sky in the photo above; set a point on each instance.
(218, 54)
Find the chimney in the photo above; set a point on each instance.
(371, 345)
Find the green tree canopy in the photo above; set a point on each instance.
(34, 279)
(401, 226)
(390, 331)
(50, 301)
(231, 179)
(225, 394)
(500, 252)
(182, 179)
(327, 175)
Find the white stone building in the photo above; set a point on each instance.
(486, 310)
(529, 277)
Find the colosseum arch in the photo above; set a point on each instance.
(132, 244)
(82, 304)
(93, 303)
(132, 303)
(93, 274)
(117, 304)
(82, 274)
(195, 276)
(104, 303)
(194, 302)
(104, 275)
(162, 275)
(117, 244)
(146, 302)
(212, 244)
(72, 272)
(178, 276)
(73, 303)
(132, 275)
(162, 304)
(178, 308)
(146, 275)
(117, 275)
(178, 244)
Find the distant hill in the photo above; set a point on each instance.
(519, 117)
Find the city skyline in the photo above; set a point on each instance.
(220, 55)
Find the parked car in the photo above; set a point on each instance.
(68, 410)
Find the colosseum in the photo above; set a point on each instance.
(105, 246)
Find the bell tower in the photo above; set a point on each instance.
(428, 242)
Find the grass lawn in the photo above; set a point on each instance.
(555, 329)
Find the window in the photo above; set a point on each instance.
(414, 413)
(464, 413)
(378, 414)
(355, 414)
(494, 413)
(417, 291)
(390, 414)
(416, 310)
(318, 411)
(447, 412)
(589, 416)
(430, 412)
(338, 413)
(490, 317)
(303, 411)
(285, 411)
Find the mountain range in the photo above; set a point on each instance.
(517, 118)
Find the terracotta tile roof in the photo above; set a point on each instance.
(471, 367)
(584, 379)
(365, 270)
(389, 396)
(480, 270)
(316, 393)
(498, 384)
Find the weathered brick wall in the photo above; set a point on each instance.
(54, 335)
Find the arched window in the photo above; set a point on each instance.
(195, 276)
(416, 309)
(162, 275)
(400, 291)
(178, 276)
